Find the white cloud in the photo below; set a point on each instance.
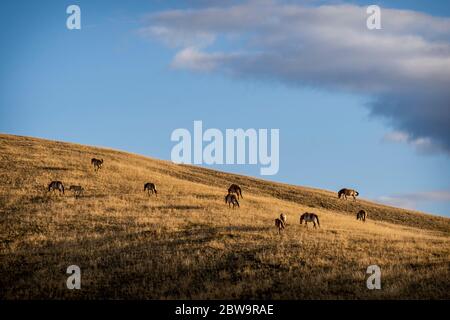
(396, 136)
(177, 38)
(405, 66)
(398, 202)
(412, 200)
(194, 59)
(421, 145)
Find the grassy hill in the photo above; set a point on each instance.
(187, 244)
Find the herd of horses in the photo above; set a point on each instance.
(231, 198)
(280, 223)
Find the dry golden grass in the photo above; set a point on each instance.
(186, 244)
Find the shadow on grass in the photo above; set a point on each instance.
(90, 196)
(178, 207)
(54, 168)
(150, 264)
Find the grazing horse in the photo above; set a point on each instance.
(361, 215)
(97, 163)
(234, 188)
(348, 193)
(78, 190)
(56, 185)
(309, 217)
(283, 218)
(231, 199)
(279, 224)
(150, 187)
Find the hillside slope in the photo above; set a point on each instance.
(186, 243)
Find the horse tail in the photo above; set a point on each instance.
(240, 192)
(317, 218)
(357, 193)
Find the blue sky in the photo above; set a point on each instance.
(115, 83)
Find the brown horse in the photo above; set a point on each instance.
(283, 218)
(348, 193)
(361, 215)
(150, 187)
(279, 224)
(78, 190)
(231, 200)
(97, 163)
(234, 188)
(309, 217)
(56, 185)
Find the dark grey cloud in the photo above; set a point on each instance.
(404, 67)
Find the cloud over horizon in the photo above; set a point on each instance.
(411, 200)
(404, 68)
(421, 145)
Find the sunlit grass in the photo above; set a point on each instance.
(186, 243)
